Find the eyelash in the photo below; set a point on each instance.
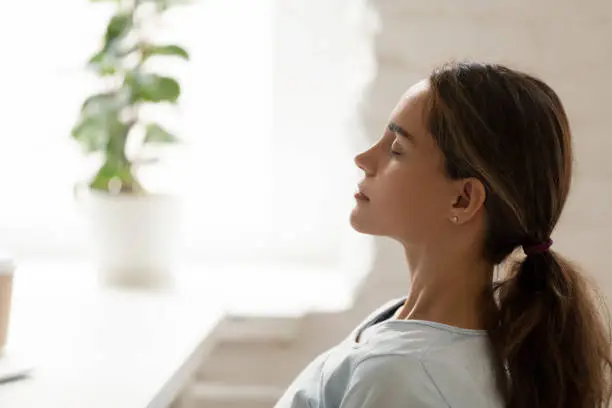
(393, 152)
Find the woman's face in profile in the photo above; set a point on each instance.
(409, 196)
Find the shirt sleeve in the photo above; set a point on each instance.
(391, 382)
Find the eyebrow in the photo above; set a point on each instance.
(395, 128)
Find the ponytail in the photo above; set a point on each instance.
(552, 346)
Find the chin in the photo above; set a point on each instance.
(356, 222)
(360, 224)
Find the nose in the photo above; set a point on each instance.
(361, 162)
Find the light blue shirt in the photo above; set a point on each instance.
(399, 364)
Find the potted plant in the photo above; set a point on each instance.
(134, 230)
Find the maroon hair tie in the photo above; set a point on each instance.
(538, 248)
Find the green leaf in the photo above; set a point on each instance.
(174, 50)
(154, 88)
(116, 177)
(91, 134)
(98, 102)
(100, 180)
(100, 133)
(118, 27)
(157, 134)
(97, 58)
(117, 139)
(102, 104)
(104, 63)
(99, 128)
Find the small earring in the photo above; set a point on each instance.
(455, 219)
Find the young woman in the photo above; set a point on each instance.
(474, 165)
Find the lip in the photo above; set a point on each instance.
(360, 196)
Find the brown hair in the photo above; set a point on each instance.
(510, 130)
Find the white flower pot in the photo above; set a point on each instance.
(134, 239)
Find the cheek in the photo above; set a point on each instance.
(415, 204)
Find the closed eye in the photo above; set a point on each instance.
(394, 152)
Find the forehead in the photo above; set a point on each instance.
(410, 114)
(410, 110)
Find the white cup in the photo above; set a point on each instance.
(7, 270)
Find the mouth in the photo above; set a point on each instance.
(360, 196)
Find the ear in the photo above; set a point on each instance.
(468, 199)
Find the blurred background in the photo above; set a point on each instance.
(277, 98)
(265, 116)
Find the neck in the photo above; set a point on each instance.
(448, 289)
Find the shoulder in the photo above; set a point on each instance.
(385, 368)
(391, 381)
